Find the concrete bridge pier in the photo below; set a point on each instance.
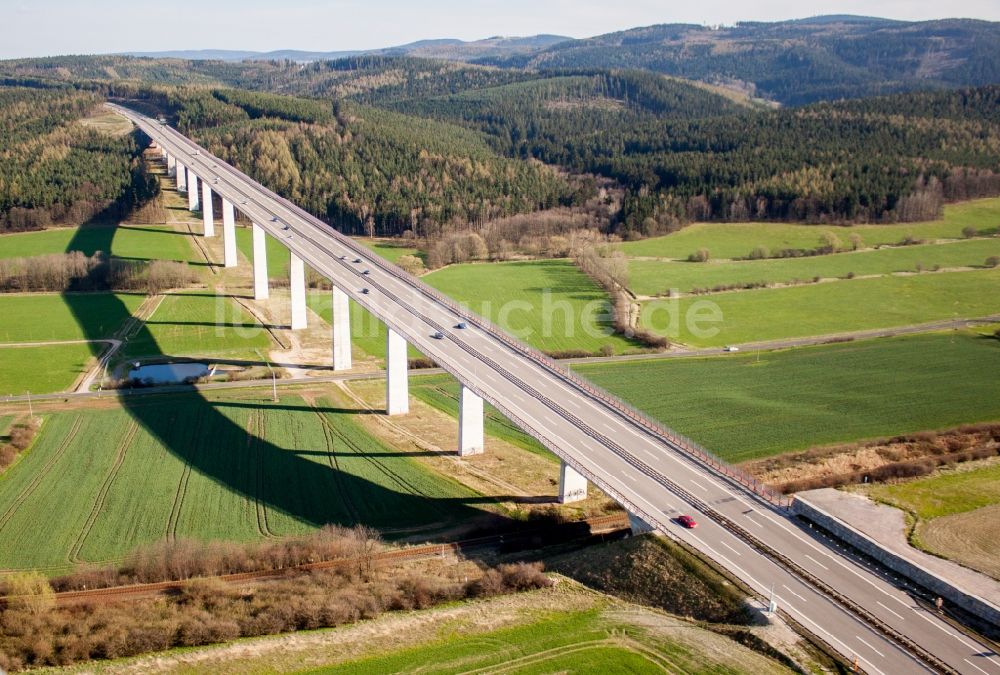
(341, 330)
(470, 423)
(638, 525)
(180, 171)
(297, 270)
(208, 215)
(397, 395)
(192, 179)
(171, 165)
(228, 233)
(260, 289)
(572, 484)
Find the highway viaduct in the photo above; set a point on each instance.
(856, 609)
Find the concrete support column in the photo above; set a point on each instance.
(171, 165)
(193, 200)
(470, 423)
(228, 233)
(207, 210)
(638, 525)
(397, 386)
(260, 290)
(341, 330)
(298, 284)
(572, 484)
(181, 173)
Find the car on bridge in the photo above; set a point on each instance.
(687, 521)
(438, 335)
(461, 325)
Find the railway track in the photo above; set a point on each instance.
(597, 525)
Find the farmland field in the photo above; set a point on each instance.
(821, 309)
(735, 240)
(141, 242)
(588, 640)
(228, 468)
(50, 316)
(192, 324)
(656, 277)
(957, 513)
(388, 249)
(741, 408)
(550, 304)
(42, 370)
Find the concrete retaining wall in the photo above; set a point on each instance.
(933, 582)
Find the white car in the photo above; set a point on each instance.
(730, 348)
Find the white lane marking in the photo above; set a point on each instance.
(816, 561)
(858, 638)
(754, 522)
(730, 547)
(794, 593)
(976, 667)
(954, 635)
(847, 650)
(889, 610)
(629, 476)
(698, 485)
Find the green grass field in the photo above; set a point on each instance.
(278, 256)
(388, 249)
(549, 304)
(97, 484)
(821, 309)
(944, 494)
(141, 242)
(743, 409)
(442, 391)
(50, 316)
(657, 277)
(578, 641)
(735, 240)
(41, 370)
(199, 324)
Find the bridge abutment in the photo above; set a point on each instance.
(260, 289)
(297, 274)
(397, 387)
(208, 214)
(341, 330)
(228, 233)
(192, 180)
(572, 484)
(470, 423)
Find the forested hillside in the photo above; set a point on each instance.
(52, 169)
(796, 62)
(684, 154)
(365, 170)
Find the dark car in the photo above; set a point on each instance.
(462, 325)
(364, 291)
(687, 521)
(357, 260)
(366, 272)
(438, 335)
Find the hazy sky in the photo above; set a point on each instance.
(47, 27)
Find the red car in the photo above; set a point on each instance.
(687, 521)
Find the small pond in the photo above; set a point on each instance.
(168, 373)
